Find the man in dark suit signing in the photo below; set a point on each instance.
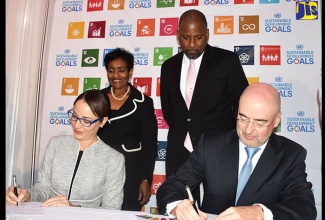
(276, 188)
(220, 80)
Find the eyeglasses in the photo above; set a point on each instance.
(259, 123)
(83, 121)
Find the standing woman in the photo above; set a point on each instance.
(132, 130)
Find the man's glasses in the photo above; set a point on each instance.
(257, 122)
(83, 121)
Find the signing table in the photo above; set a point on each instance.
(34, 211)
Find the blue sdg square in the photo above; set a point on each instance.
(246, 54)
(161, 151)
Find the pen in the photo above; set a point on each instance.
(190, 197)
(15, 187)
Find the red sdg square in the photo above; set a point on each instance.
(244, 2)
(270, 55)
(189, 3)
(162, 124)
(168, 26)
(95, 5)
(157, 180)
(158, 87)
(143, 85)
(96, 29)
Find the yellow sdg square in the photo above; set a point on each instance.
(252, 80)
(70, 86)
(76, 30)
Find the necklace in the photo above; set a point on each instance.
(119, 99)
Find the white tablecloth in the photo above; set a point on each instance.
(33, 211)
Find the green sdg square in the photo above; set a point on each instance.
(89, 57)
(165, 3)
(161, 54)
(91, 83)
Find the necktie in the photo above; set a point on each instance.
(190, 83)
(246, 170)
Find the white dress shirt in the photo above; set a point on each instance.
(185, 66)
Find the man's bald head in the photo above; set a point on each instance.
(192, 15)
(262, 92)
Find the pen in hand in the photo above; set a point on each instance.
(15, 187)
(190, 197)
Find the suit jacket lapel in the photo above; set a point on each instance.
(230, 160)
(202, 77)
(130, 105)
(176, 71)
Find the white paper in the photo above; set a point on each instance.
(26, 208)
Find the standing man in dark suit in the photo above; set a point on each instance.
(219, 83)
(277, 187)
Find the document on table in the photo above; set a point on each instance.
(153, 217)
(150, 217)
(26, 208)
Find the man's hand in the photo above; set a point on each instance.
(185, 211)
(242, 213)
(144, 192)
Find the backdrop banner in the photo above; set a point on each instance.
(278, 42)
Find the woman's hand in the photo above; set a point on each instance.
(55, 201)
(144, 192)
(23, 196)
